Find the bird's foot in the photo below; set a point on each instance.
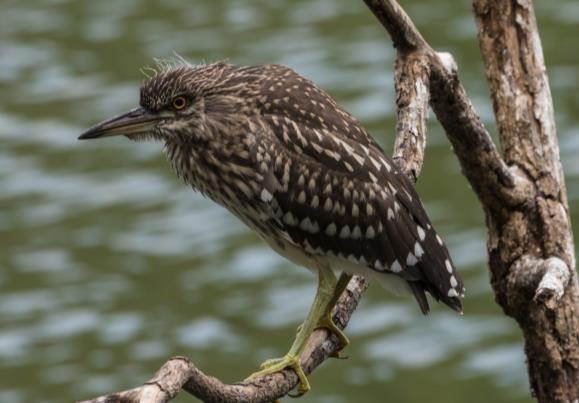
(278, 364)
(328, 323)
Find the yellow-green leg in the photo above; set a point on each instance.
(328, 321)
(319, 316)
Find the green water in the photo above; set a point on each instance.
(109, 265)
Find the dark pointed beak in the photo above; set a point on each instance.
(136, 121)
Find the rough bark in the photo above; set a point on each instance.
(530, 244)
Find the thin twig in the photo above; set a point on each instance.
(404, 34)
(412, 84)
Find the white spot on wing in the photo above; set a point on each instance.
(318, 135)
(421, 233)
(309, 225)
(345, 232)
(396, 267)
(418, 251)
(448, 266)
(379, 266)
(376, 163)
(315, 201)
(453, 282)
(411, 260)
(358, 158)
(317, 147)
(396, 207)
(452, 293)
(328, 204)
(266, 196)
(332, 154)
(386, 165)
(289, 219)
(331, 229)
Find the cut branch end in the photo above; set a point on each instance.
(552, 286)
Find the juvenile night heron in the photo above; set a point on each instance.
(280, 154)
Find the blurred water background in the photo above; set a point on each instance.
(109, 265)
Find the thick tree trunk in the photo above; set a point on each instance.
(523, 238)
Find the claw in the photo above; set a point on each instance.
(338, 355)
(328, 323)
(277, 364)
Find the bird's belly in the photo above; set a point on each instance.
(389, 282)
(294, 254)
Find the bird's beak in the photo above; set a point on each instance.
(134, 122)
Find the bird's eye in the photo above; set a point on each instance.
(179, 103)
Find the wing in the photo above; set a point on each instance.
(342, 199)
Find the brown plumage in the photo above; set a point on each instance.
(279, 153)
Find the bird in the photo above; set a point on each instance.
(279, 153)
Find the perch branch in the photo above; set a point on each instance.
(179, 373)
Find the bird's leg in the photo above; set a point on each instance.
(328, 321)
(341, 285)
(317, 317)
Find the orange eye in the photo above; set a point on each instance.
(179, 103)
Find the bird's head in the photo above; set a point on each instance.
(178, 104)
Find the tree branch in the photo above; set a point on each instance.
(412, 85)
(491, 179)
(404, 34)
(180, 373)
